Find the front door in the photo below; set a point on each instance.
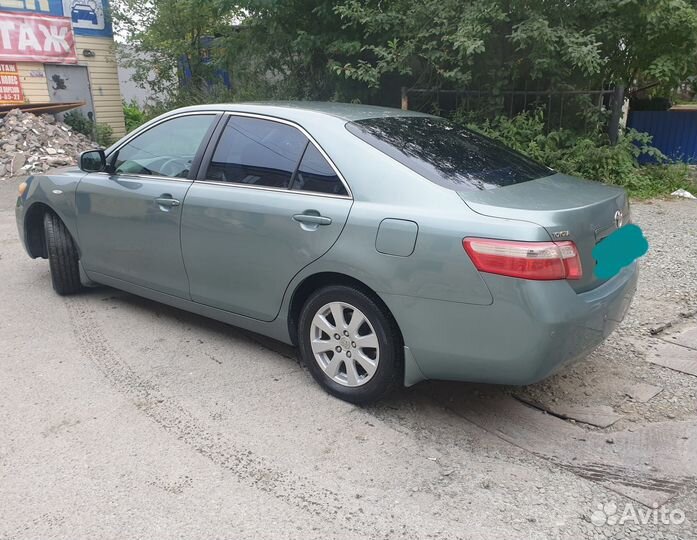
(268, 205)
(128, 221)
(68, 84)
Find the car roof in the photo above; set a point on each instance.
(296, 109)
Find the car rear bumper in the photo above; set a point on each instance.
(532, 329)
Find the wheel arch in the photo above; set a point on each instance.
(34, 229)
(322, 279)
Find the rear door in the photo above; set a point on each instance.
(128, 221)
(266, 204)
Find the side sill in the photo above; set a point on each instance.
(276, 329)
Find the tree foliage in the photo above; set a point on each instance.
(505, 43)
(158, 34)
(589, 155)
(358, 49)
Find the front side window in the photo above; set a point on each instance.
(315, 174)
(257, 152)
(449, 155)
(166, 149)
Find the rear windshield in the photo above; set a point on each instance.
(449, 155)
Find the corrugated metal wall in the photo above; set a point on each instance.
(674, 132)
(104, 80)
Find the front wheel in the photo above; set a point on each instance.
(62, 256)
(350, 344)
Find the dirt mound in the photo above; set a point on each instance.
(31, 144)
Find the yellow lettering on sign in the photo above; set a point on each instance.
(14, 4)
(30, 5)
(39, 5)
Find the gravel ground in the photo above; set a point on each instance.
(667, 293)
(125, 418)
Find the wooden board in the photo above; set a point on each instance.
(41, 108)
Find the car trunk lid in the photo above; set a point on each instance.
(568, 208)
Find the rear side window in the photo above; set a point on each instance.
(257, 152)
(446, 154)
(315, 174)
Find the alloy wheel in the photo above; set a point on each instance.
(344, 344)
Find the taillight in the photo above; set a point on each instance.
(526, 260)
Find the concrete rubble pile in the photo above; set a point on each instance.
(31, 144)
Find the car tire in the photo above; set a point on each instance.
(62, 256)
(349, 367)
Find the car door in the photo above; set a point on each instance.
(267, 203)
(128, 220)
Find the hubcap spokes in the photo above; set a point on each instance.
(344, 344)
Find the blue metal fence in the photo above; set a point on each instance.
(674, 132)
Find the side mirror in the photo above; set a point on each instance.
(92, 161)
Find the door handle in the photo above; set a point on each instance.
(312, 219)
(167, 201)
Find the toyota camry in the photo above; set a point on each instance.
(389, 246)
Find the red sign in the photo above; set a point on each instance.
(26, 37)
(10, 86)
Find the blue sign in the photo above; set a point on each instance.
(90, 17)
(44, 7)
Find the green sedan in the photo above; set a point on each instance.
(389, 246)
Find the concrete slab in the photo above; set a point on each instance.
(643, 392)
(600, 415)
(634, 464)
(675, 357)
(686, 338)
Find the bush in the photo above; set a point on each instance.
(133, 115)
(589, 156)
(79, 122)
(102, 134)
(184, 96)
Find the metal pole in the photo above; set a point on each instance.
(525, 97)
(613, 128)
(561, 110)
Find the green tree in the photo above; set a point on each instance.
(160, 33)
(502, 43)
(366, 49)
(283, 49)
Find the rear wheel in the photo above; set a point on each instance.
(349, 344)
(62, 256)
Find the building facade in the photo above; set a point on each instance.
(58, 51)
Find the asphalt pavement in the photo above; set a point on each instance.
(124, 418)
